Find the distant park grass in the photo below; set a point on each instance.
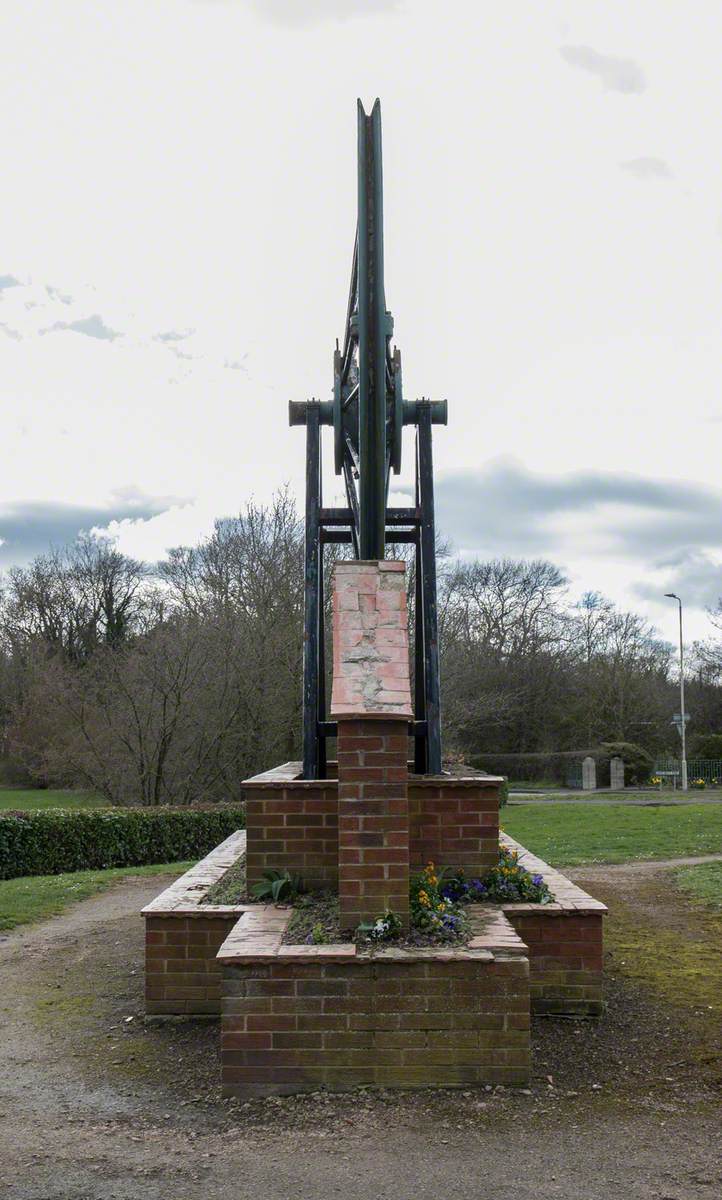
(26, 798)
(628, 796)
(572, 834)
(534, 785)
(35, 897)
(702, 883)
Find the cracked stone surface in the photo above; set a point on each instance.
(370, 640)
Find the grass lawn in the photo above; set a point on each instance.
(538, 785)
(34, 897)
(702, 883)
(25, 798)
(648, 796)
(570, 834)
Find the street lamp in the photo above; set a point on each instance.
(683, 715)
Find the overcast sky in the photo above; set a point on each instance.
(178, 210)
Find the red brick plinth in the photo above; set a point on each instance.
(565, 940)
(373, 820)
(183, 937)
(296, 1018)
(293, 823)
(183, 975)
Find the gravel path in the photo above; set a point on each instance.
(94, 1106)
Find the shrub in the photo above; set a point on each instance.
(555, 767)
(532, 768)
(709, 746)
(638, 764)
(51, 841)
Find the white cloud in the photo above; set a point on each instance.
(308, 13)
(92, 326)
(648, 167)
(616, 74)
(188, 173)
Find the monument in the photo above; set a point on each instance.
(343, 1014)
(368, 414)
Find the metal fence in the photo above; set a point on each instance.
(709, 769)
(573, 778)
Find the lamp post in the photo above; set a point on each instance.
(683, 715)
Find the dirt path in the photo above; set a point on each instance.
(602, 872)
(94, 1106)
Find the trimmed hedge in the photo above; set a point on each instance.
(532, 768)
(540, 767)
(50, 841)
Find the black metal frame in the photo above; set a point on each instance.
(368, 414)
(336, 525)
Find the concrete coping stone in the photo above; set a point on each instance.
(494, 932)
(568, 898)
(258, 937)
(290, 772)
(361, 566)
(183, 897)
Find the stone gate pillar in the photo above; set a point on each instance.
(371, 701)
(616, 774)
(589, 774)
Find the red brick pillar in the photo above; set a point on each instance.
(373, 819)
(371, 700)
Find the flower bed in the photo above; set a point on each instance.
(186, 924)
(438, 904)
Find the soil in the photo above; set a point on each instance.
(96, 1105)
(318, 912)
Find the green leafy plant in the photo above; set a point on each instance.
(318, 936)
(277, 886)
(638, 763)
(708, 745)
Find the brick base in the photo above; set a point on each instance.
(565, 954)
(182, 973)
(183, 937)
(292, 824)
(296, 1018)
(565, 941)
